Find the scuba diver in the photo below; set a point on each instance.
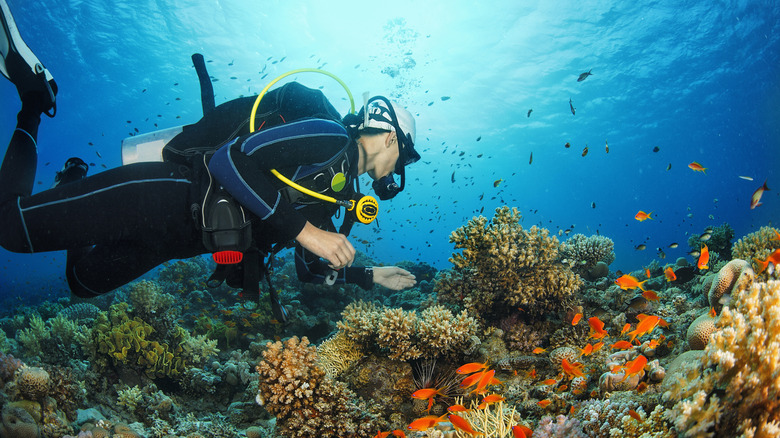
(222, 188)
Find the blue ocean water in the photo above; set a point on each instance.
(699, 80)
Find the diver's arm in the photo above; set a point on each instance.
(312, 269)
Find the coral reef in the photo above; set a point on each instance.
(559, 427)
(735, 388)
(719, 241)
(32, 382)
(502, 266)
(304, 400)
(735, 275)
(435, 332)
(758, 244)
(583, 253)
(610, 418)
(700, 330)
(337, 353)
(80, 311)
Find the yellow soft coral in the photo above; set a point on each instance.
(504, 265)
(757, 245)
(738, 385)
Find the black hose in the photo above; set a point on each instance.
(206, 89)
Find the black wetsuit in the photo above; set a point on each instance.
(120, 223)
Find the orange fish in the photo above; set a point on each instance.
(622, 345)
(472, 367)
(539, 350)
(627, 282)
(704, 258)
(484, 381)
(493, 398)
(572, 369)
(576, 319)
(597, 346)
(635, 415)
(646, 325)
(381, 434)
(596, 328)
(650, 295)
(626, 328)
(426, 393)
(462, 425)
(521, 431)
(399, 433)
(773, 258)
(544, 403)
(713, 313)
(755, 200)
(471, 380)
(696, 167)
(549, 382)
(426, 422)
(669, 274)
(635, 366)
(532, 373)
(777, 235)
(562, 388)
(587, 350)
(642, 387)
(647, 272)
(641, 216)
(457, 408)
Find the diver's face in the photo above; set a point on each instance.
(386, 159)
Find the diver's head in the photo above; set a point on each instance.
(381, 116)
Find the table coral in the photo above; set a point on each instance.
(502, 266)
(736, 386)
(304, 400)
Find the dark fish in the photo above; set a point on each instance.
(592, 205)
(529, 112)
(640, 247)
(531, 159)
(143, 91)
(673, 245)
(91, 144)
(175, 84)
(430, 103)
(669, 167)
(661, 254)
(129, 121)
(656, 149)
(452, 178)
(98, 154)
(585, 151)
(495, 184)
(607, 145)
(479, 138)
(684, 274)
(567, 145)
(233, 77)
(694, 253)
(705, 237)
(571, 107)
(445, 98)
(231, 63)
(585, 75)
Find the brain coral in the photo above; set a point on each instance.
(737, 274)
(304, 400)
(502, 266)
(33, 382)
(736, 387)
(700, 330)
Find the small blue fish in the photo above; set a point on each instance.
(585, 75)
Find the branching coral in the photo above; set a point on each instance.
(757, 245)
(504, 265)
(304, 400)
(738, 383)
(435, 332)
(583, 253)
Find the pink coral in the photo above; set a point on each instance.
(8, 367)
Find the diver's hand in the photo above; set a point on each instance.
(333, 247)
(393, 277)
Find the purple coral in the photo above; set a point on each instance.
(8, 366)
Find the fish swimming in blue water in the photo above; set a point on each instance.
(585, 75)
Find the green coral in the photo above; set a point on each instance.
(31, 337)
(118, 339)
(504, 266)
